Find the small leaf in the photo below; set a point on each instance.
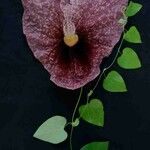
(133, 9)
(123, 21)
(114, 82)
(76, 122)
(90, 93)
(93, 112)
(96, 146)
(52, 130)
(133, 35)
(129, 59)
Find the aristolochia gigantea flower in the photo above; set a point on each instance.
(71, 37)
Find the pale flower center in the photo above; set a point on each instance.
(69, 29)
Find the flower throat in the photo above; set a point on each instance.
(69, 29)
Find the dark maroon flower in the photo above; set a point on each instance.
(71, 37)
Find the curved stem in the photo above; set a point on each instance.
(73, 117)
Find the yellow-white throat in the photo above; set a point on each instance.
(69, 29)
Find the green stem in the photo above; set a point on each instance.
(73, 117)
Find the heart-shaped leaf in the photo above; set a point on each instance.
(133, 9)
(52, 130)
(93, 112)
(129, 59)
(96, 146)
(114, 82)
(133, 35)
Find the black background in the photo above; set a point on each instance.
(28, 97)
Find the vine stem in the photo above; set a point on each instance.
(88, 96)
(73, 117)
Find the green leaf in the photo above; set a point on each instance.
(52, 130)
(133, 35)
(133, 9)
(93, 112)
(114, 82)
(129, 59)
(96, 146)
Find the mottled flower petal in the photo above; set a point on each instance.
(42, 25)
(97, 27)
